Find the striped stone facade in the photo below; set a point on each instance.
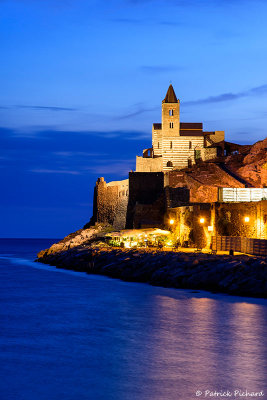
(178, 145)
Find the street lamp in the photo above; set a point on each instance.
(246, 219)
(202, 220)
(171, 221)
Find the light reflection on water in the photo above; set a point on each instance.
(74, 336)
(211, 344)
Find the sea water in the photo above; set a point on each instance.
(71, 336)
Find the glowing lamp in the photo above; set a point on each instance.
(202, 220)
(171, 221)
(246, 219)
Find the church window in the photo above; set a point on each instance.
(169, 164)
(190, 145)
(170, 145)
(171, 124)
(170, 113)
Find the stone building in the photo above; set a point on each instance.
(187, 169)
(177, 145)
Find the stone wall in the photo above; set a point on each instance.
(110, 202)
(209, 153)
(146, 205)
(148, 164)
(222, 219)
(230, 219)
(187, 229)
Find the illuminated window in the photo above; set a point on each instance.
(171, 124)
(169, 164)
(170, 113)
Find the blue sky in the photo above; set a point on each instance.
(82, 82)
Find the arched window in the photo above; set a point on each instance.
(170, 145)
(169, 164)
(171, 124)
(170, 113)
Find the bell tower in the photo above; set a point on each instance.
(170, 130)
(170, 114)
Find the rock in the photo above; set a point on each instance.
(240, 275)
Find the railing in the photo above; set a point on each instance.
(242, 194)
(256, 247)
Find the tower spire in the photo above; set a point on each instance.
(170, 96)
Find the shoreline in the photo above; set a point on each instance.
(239, 275)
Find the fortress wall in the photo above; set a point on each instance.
(110, 202)
(146, 199)
(148, 164)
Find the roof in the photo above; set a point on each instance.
(191, 125)
(157, 126)
(193, 132)
(170, 96)
(209, 133)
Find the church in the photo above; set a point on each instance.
(177, 145)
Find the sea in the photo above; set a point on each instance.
(66, 335)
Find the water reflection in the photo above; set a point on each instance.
(75, 336)
(203, 343)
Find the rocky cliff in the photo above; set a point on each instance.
(251, 165)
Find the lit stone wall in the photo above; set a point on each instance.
(157, 141)
(110, 202)
(218, 136)
(187, 228)
(230, 219)
(148, 164)
(174, 119)
(208, 153)
(178, 151)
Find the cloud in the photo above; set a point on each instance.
(257, 91)
(77, 154)
(55, 171)
(134, 113)
(46, 108)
